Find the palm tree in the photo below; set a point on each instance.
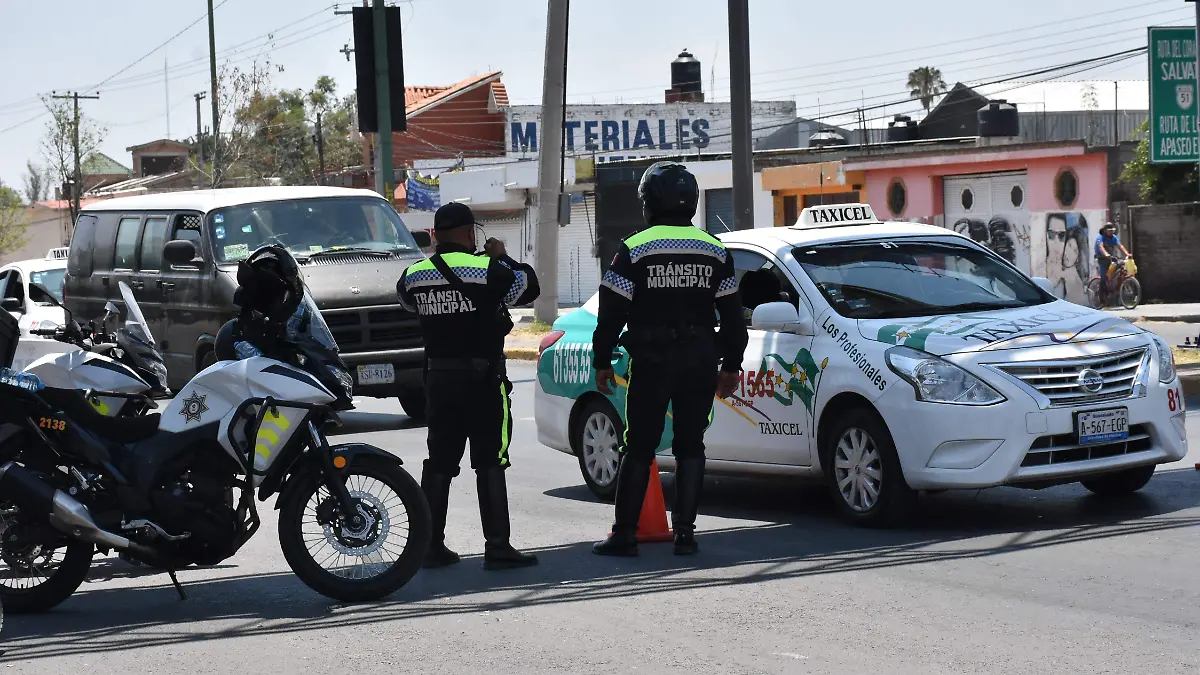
(925, 83)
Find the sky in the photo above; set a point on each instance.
(619, 52)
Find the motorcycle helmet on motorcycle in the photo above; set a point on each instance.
(668, 189)
(270, 283)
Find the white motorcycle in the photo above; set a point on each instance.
(179, 488)
(118, 374)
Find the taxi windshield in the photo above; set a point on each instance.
(914, 277)
(309, 226)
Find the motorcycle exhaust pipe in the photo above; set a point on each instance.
(66, 514)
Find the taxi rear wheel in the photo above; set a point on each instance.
(863, 471)
(597, 440)
(1120, 483)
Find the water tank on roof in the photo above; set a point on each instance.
(999, 119)
(685, 73)
(826, 138)
(902, 128)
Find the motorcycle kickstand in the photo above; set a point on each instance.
(178, 586)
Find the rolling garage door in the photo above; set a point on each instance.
(991, 209)
(718, 210)
(578, 267)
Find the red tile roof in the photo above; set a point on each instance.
(414, 95)
(440, 94)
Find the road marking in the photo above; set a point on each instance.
(790, 655)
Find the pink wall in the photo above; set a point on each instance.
(923, 184)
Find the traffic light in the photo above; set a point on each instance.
(364, 69)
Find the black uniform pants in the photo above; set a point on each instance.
(682, 376)
(467, 405)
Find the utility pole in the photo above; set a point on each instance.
(550, 161)
(216, 117)
(77, 176)
(739, 108)
(199, 96)
(383, 102)
(320, 138)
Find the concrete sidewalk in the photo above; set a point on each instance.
(1184, 313)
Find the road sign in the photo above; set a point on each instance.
(1174, 136)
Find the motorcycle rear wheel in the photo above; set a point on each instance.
(67, 570)
(365, 573)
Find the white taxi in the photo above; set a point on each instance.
(30, 308)
(890, 358)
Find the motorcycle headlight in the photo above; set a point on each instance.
(48, 325)
(1166, 360)
(937, 380)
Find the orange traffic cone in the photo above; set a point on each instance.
(652, 525)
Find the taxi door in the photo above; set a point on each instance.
(767, 419)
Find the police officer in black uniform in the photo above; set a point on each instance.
(664, 284)
(462, 300)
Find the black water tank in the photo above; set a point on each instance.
(999, 119)
(902, 128)
(826, 138)
(685, 73)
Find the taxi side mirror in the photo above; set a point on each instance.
(781, 317)
(1045, 284)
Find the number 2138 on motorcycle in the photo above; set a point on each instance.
(52, 424)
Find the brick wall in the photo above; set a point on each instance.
(1166, 244)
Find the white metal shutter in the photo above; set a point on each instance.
(986, 208)
(578, 267)
(509, 232)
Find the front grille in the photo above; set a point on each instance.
(374, 328)
(344, 259)
(1065, 448)
(1058, 381)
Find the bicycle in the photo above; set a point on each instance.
(1129, 289)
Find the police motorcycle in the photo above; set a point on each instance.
(179, 488)
(118, 374)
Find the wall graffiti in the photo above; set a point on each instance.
(1063, 250)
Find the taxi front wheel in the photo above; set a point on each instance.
(863, 471)
(1120, 483)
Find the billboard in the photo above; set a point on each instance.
(622, 132)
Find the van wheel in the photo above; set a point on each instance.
(1120, 483)
(208, 358)
(413, 403)
(863, 471)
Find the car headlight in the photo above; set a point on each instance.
(1166, 360)
(937, 380)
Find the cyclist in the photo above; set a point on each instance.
(1107, 243)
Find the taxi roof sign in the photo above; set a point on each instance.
(836, 215)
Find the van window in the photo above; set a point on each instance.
(187, 228)
(127, 240)
(106, 235)
(154, 236)
(79, 260)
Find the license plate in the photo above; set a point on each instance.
(378, 373)
(1102, 426)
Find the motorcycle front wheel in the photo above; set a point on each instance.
(363, 564)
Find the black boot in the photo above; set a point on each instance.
(437, 492)
(498, 554)
(632, 478)
(689, 481)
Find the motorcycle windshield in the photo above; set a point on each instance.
(308, 324)
(134, 320)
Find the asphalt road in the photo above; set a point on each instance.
(1001, 580)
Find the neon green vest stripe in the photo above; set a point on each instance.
(671, 232)
(455, 259)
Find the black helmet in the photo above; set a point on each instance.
(270, 283)
(668, 189)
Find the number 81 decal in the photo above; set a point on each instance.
(1174, 400)
(61, 425)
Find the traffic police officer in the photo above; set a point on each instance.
(664, 283)
(461, 299)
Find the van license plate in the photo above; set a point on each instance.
(1102, 426)
(376, 373)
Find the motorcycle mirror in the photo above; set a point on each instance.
(40, 293)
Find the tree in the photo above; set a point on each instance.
(926, 83)
(58, 142)
(13, 221)
(1159, 183)
(35, 182)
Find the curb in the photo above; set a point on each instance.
(1183, 318)
(531, 354)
